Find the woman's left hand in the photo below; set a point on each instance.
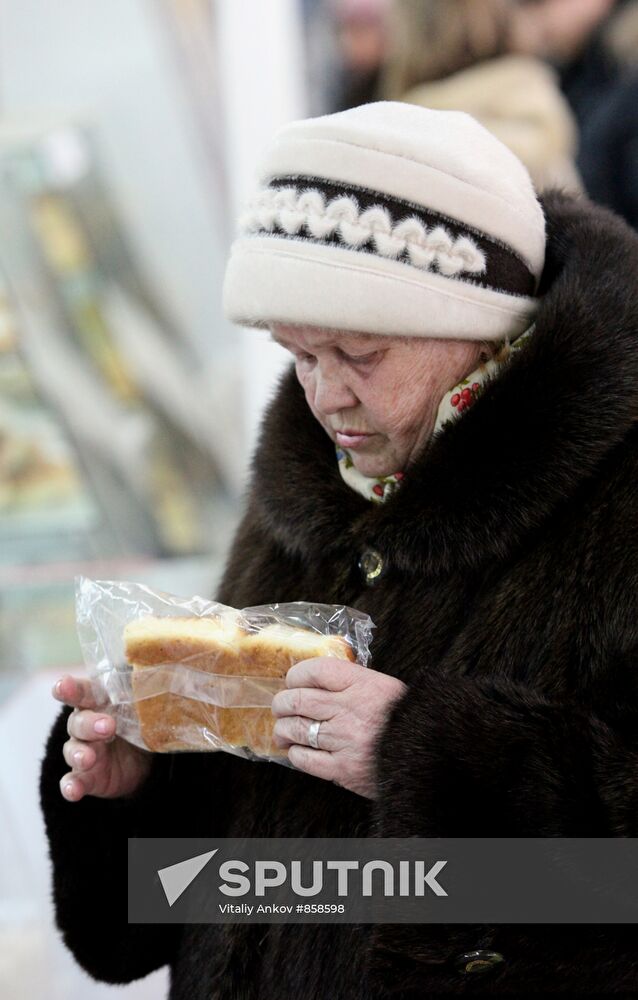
(351, 702)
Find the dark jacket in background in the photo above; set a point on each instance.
(608, 157)
(601, 86)
(508, 603)
(590, 78)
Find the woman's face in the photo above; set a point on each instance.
(376, 396)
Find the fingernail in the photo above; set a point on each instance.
(78, 757)
(56, 689)
(68, 789)
(102, 726)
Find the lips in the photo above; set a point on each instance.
(351, 439)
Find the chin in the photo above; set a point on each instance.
(371, 468)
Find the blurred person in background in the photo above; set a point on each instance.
(467, 55)
(573, 35)
(360, 34)
(609, 152)
(594, 46)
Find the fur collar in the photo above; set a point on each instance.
(536, 433)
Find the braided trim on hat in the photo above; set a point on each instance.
(299, 208)
(292, 210)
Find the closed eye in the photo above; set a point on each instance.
(360, 359)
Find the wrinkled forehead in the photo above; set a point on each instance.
(314, 336)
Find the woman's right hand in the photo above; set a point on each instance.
(102, 764)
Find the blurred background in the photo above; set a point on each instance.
(129, 408)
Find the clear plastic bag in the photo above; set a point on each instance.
(190, 674)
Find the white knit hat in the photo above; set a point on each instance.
(389, 218)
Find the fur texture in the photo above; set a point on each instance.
(508, 604)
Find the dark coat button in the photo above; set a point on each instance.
(471, 962)
(371, 565)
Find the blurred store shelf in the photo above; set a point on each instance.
(37, 610)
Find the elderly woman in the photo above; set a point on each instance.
(454, 453)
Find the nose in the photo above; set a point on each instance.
(332, 392)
